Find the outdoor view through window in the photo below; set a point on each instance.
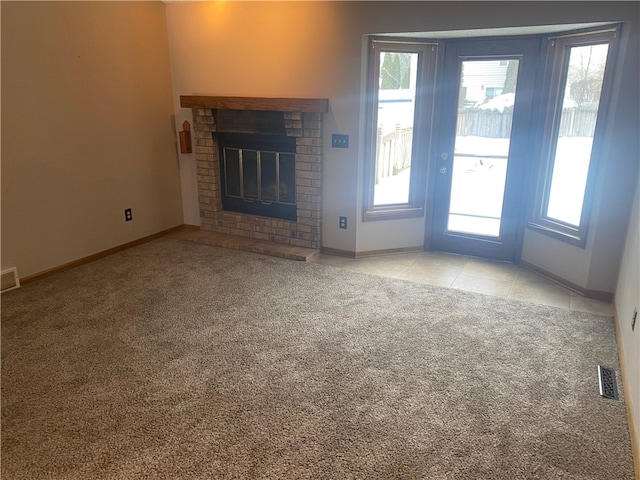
(575, 131)
(483, 129)
(478, 164)
(396, 111)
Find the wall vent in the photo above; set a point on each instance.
(10, 279)
(607, 382)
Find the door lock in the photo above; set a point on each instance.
(444, 156)
(443, 170)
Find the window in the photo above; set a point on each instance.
(491, 92)
(399, 91)
(579, 69)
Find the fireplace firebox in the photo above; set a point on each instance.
(258, 174)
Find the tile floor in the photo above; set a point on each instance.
(434, 268)
(472, 274)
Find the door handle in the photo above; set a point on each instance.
(443, 168)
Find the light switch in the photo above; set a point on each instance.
(339, 141)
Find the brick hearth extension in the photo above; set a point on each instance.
(303, 120)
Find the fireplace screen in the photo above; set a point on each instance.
(258, 175)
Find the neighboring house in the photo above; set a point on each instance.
(484, 80)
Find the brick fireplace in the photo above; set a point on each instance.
(301, 120)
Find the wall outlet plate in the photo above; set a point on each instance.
(343, 223)
(128, 216)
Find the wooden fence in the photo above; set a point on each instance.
(393, 152)
(574, 122)
(394, 149)
(484, 123)
(577, 122)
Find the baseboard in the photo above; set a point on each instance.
(338, 252)
(635, 440)
(370, 253)
(585, 292)
(96, 256)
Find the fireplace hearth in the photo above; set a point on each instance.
(259, 167)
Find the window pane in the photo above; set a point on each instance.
(575, 132)
(396, 111)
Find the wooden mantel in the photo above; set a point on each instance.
(256, 103)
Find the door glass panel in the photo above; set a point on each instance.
(396, 111)
(575, 132)
(481, 151)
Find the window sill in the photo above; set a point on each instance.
(392, 213)
(573, 238)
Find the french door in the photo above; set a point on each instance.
(482, 146)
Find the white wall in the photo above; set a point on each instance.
(627, 298)
(87, 130)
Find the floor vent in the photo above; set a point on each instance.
(10, 279)
(607, 381)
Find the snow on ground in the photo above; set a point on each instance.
(478, 190)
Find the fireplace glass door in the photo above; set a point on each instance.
(258, 177)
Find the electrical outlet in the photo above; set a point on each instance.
(633, 320)
(128, 216)
(339, 141)
(343, 223)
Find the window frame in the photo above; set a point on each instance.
(425, 88)
(554, 83)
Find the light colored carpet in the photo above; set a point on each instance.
(180, 360)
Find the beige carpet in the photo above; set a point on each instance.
(179, 360)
